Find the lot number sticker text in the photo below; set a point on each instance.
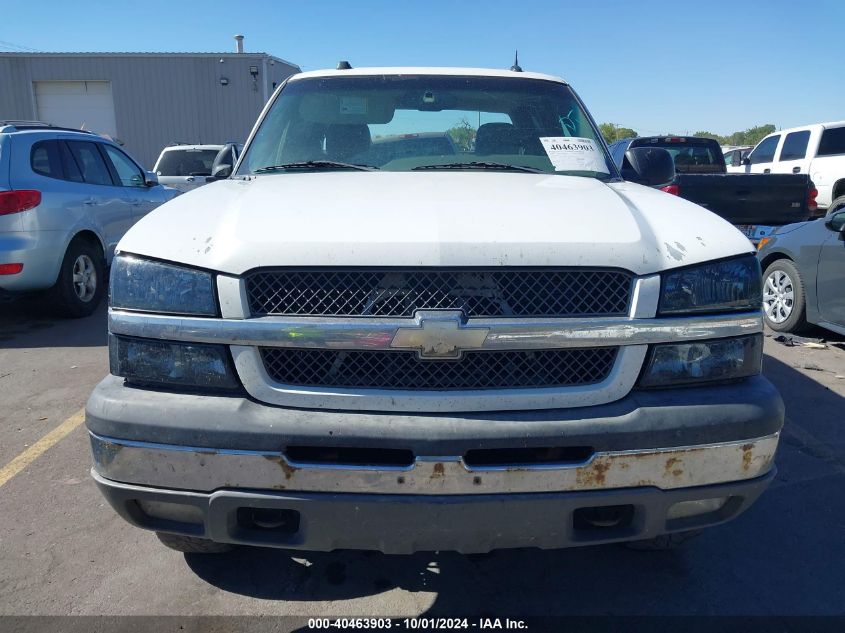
(570, 153)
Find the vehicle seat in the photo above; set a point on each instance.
(683, 159)
(304, 142)
(700, 157)
(343, 141)
(497, 138)
(195, 166)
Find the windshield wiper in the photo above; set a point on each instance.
(482, 165)
(314, 164)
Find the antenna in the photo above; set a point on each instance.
(516, 67)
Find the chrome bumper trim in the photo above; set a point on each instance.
(378, 333)
(208, 469)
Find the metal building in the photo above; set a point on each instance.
(144, 100)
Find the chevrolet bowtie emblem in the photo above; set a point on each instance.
(439, 334)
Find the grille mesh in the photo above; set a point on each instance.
(479, 293)
(405, 370)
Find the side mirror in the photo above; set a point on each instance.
(150, 178)
(652, 166)
(746, 160)
(836, 222)
(221, 171)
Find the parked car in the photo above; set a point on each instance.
(511, 347)
(753, 203)
(817, 150)
(804, 278)
(734, 158)
(186, 167)
(66, 199)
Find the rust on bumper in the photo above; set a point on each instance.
(204, 469)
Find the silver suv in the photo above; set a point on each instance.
(66, 199)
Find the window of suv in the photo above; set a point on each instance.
(46, 160)
(53, 159)
(129, 173)
(91, 163)
(833, 142)
(795, 146)
(72, 171)
(765, 151)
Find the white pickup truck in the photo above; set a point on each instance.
(817, 150)
(508, 345)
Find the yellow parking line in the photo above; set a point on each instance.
(40, 447)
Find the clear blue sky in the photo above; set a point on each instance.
(656, 66)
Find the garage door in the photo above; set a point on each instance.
(84, 105)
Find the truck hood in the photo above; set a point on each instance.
(431, 219)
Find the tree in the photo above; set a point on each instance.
(751, 136)
(612, 132)
(463, 135)
(716, 137)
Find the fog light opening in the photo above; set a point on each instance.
(179, 512)
(695, 507)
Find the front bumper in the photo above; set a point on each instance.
(195, 464)
(202, 469)
(403, 524)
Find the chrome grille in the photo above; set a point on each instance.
(405, 370)
(500, 292)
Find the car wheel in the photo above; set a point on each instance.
(836, 205)
(192, 544)
(784, 306)
(663, 542)
(82, 280)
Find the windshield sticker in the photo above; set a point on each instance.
(353, 105)
(570, 153)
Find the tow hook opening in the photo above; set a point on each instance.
(603, 518)
(268, 520)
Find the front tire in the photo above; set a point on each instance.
(784, 302)
(82, 280)
(192, 544)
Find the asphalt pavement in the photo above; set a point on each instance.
(64, 551)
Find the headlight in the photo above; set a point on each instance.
(705, 361)
(142, 284)
(726, 286)
(164, 363)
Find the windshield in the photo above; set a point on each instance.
(408, 122)
(186, 162)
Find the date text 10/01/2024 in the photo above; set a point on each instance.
(417, 623)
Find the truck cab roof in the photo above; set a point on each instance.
(426, 70)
